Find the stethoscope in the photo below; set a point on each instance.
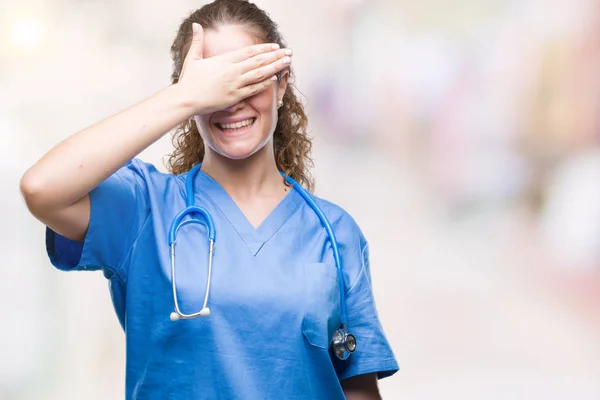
(343, 343)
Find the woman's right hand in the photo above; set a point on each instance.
(215, 83)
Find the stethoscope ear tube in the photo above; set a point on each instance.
(177, 223)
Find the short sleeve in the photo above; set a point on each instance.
(118, 209)
(373, 352)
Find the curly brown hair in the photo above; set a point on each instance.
(292, 145)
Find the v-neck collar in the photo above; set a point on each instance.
(255, 238)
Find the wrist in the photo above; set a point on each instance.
(183, 100)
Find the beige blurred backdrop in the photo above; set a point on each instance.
(463, 136)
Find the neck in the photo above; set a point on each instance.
(244, 178)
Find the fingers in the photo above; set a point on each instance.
(196, 49)
(268, 71)
(251, 90)
(250, 51)
(263, 59)
(197, 46)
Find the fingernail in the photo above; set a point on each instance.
(274, 78)
(275, 46)
(287, 60)
(195, 27)
(289, 52)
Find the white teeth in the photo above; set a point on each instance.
(236, 125)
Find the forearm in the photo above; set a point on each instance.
(351, 395)
(81, 162)
(361, 387)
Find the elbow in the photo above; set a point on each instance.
(34, 192)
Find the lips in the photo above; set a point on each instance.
(235, 126)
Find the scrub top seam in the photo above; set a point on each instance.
(117, 271)
(294, 211)
(207, 196)
(130, 251)
(361, 271)
(379, 366)
(87, 260)
(98, 266)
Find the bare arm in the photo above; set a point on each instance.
(361, 387)
(56, 189)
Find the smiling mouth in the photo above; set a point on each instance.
(236, 126)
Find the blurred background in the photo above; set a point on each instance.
(462, 135)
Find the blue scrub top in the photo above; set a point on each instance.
(274, 299)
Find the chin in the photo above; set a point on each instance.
(240, 144)
(237, 152)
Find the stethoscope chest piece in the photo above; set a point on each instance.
(344, 344)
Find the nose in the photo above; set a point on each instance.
(237, 106)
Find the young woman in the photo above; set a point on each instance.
(276, 299)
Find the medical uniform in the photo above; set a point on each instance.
(274, 299)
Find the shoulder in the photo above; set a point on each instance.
(352, 244)
(146, 173)
(346, 228)
(144, 168)
(144, 180)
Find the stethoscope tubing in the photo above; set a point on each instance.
(192, 209)
(334, 244)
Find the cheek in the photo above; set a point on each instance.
(263, 103)
(203, 126)
(267, 109)
(265, 100)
